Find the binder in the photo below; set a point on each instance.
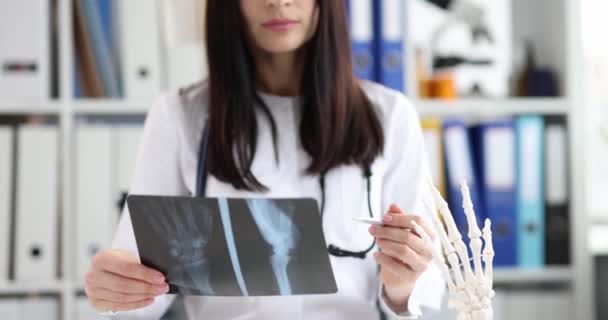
(95, 211)
(494, 145)
(107, 66)
(40, 308)
(431, 128)
(25, 55)
(6, 193)
(389, 29)
(362, 38)
(459, 165)
(10, 309)
(140, 48)
(36, 207)
(184, 49)
(106, 17)
(530, 191)
(126, 143)
(84, 311)
(87, 81)
(557, 206)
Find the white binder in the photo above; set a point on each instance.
(95, 211)
(183, 42)
(25, 54)
(36, 207)
(127, 144)
(10, 309)
(140, 48)
(6, 192)
(84, 311)
(40, 308)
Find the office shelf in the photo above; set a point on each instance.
(492, 107)
(32, 288)
(109, 107)
(598, 239)
(30, 107)
(549, 275)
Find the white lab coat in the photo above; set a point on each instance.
(166, 165)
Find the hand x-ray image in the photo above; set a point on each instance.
(233, 247)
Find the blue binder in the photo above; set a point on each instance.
(105, 14)
(530, 191)
(494, 145)
(362, 38)
(104, 57)
(459, 167)
(389, 30)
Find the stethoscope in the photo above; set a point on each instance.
(201, 185)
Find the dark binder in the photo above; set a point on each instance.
(557, 196)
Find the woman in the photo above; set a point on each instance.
(286, 118)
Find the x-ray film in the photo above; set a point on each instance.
(233, 247)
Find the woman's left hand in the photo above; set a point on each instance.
(404, 255)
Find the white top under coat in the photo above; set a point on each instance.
(166, 165)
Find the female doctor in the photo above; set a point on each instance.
(286, 118)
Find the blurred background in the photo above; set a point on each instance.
(512, 94)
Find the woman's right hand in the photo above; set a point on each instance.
(116, 281)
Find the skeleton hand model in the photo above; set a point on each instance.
(279, 231)
(470, 289)
(187, 243)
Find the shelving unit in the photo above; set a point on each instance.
(113, 107)
(554, 26)
(30, 107)
(578, 276)
(550, 275)
(492, 107)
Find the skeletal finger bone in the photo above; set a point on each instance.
(488, 251)
(454, 235)
(474, 232)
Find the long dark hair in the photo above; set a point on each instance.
(339, 124)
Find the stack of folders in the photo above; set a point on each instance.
(29, 308)
(135, 48)
(377, 29)
(25, 71)
(105, 158)
(517, 170)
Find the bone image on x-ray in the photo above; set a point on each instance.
(232, 251)
(187, 241)
(279, 231)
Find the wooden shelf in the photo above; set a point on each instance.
(492, 107)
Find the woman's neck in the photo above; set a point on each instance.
(279, 74)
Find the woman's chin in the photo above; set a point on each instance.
(281, 46)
